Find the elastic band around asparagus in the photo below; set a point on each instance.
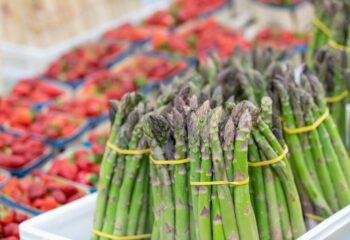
(314, 217)
(338, 46)
(271, 161)
(169, 162)
(131, 237)
(128, 151)
(338, 98)
(320, 25)
(310, 127)
(212, 183)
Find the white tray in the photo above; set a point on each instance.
(70, 222)
(74, 222)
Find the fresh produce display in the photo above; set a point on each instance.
(280, 38)
(10, 219)
(45, 124)
(82, 165)
(21, 151)
(83, 60)
(87, 107)
(37, 91)
(201, 38)
(182, 11)
(41, 191)
(246, 145)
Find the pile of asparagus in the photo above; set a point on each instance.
(217, 166)
(219, 139)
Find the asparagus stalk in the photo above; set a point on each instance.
(260, 198)
(181, 181)
(204, 192)
(266, 106)
(223, 191)
(245, 216)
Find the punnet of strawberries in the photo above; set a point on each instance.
(200, 38)
(280, 38)
(81, 165)
(36, 91)
(10, 219)
(41, 191)
(83, 60)
(88, 107)
(143, 68)
(46, 124)
(19, 151)
(107, 84)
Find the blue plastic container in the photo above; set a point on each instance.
(7, 177)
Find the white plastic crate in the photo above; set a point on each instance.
(70, 222)
(74, 222)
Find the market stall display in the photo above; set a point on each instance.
(211, 133)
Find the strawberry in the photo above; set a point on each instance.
(20, 217)
(36, 190)
(68, 190)
(59, 196)
(49, 203)
(11, 229)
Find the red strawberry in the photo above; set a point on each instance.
(59, 196)
(36, 190)
(11, 229)
(69, 190)
(20, 217)
(49, 203)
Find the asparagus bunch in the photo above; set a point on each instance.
(123, 189)
(331, 67)
(318, 156)
(332, 15)
(166, 133)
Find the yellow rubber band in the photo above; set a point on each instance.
(320, 25)
(127, 151)
(101, 234)
(308, 128)
(272, 161)
(236, 183)
(169, 162)
(338, 98)
(338, 46)
(313, 216)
